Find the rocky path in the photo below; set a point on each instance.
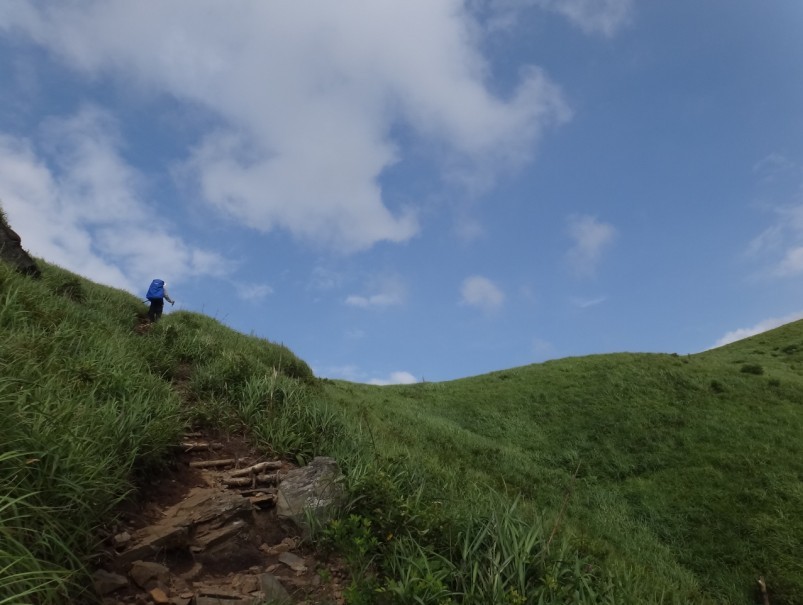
(210, 532)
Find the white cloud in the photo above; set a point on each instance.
(253, 292)
(307, 95)
(481, 292)
(591, 237)
(762, 326)
(388, 292)
(86, 211)
(781, 244)
(395, 378)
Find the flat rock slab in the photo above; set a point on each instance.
(206, 518)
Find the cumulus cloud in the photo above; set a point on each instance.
(387, 292)
(306, 96)
(591, 237)
(78, 204)
(481, 292)
(762, 326)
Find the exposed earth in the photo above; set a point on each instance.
(209, 532)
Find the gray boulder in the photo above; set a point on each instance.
(315, 490)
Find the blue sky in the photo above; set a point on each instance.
(419, 190)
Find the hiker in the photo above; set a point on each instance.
(157, 294)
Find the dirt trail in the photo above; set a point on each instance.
(193, 538)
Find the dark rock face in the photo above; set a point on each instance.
(11, 250)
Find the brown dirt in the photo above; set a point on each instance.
(321, 582)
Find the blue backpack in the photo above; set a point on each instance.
(157, 290)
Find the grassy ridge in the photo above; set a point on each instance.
(606, 479)
(690, 468)
(90, 403)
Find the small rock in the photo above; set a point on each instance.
(245, 584)
(147, 574)
(158, 595)
(106, 582)
(192, 573)
(121, 540)
(273, 590)
(292, 561)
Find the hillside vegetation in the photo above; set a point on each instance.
(629, 478)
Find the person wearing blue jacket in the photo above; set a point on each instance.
(157, 295)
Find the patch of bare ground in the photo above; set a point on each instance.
(206, 532)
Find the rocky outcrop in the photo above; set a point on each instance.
(11, 250)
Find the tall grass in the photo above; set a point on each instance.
(90, 404)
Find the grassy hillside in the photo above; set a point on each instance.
(607, 479)
(685, 472)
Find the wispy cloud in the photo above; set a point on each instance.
(395, 378)
(296, 90)
(772, 165)
(389, 291)
(324, 279)
(79, 204)
(762, 326)
(600, 17)
(781, 244)
(585, 303)
(604, 17)
(591, 237)
(253, 292)
(481, 292)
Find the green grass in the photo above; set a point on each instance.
(690, 468)
(628, 478)
(92, 405)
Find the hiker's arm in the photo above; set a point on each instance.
(167, 297)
